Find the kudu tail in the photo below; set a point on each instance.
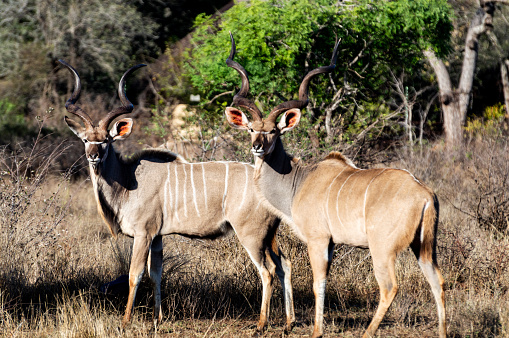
(424, 247)
(425, 241)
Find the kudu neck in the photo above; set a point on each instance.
(279, 160)
(278, 178)
(111, 170)
(109, 183)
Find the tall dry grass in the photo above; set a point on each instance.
(56, 254)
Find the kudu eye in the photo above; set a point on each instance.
(273, 131)
(85, 140)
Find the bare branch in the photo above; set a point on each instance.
(219, 95)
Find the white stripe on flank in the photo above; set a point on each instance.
(366, 195)
(184, 191)
(169, 190)
(328, 194)
(339, 193)
(245, 189)
(176, 194)
(204, 186)
(225, 188)
(165, 188)
(194, 192)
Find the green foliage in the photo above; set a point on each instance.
(369, 122)
(272, 40)
(489, 124)
(100, 39)
(278, 41)
(409, 25)
(12, 123)
(97, 37)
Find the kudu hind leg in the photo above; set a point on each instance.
(384, 268)
(139, 257)
(426, 257)
(284, 273)
(435, 280)
(155, 268)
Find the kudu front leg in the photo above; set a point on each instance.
(141, 247)
(266, 268)
(284, 273)
(267, 273)
(155, 269)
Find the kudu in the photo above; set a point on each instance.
(333, 202)
(158, 193)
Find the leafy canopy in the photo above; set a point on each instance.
(278, 41)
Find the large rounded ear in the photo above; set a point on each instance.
(75, 127)
(122, 129)
(236, 118)
(289, 120)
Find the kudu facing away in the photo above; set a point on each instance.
(333, 202)
(158, 193)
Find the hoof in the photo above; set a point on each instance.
(288, 327)
(256, 333)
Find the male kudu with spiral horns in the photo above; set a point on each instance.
(333, 202)
(158, 193)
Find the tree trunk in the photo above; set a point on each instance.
(504, 72)
(453, 121)
(455, 103)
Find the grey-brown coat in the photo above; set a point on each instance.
(333, 202)
(158, 193)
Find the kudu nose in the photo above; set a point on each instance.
(93, 156)
(257, 146)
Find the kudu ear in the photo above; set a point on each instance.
(236, 118)
(289, 120)
(74, 126)
(122, 129)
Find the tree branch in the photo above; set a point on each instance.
(219, 95)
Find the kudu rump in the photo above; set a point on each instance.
(333, 202)
(158, 193)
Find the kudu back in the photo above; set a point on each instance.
(157, 193)
(334, 202)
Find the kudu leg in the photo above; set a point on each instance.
(139, 257)
(284, 273)
(267, 271)
(155, 269)
(384, 268)
(435, 280)
(320, 256)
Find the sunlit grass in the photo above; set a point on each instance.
(57, 253)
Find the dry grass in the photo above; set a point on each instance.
(56, 254)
